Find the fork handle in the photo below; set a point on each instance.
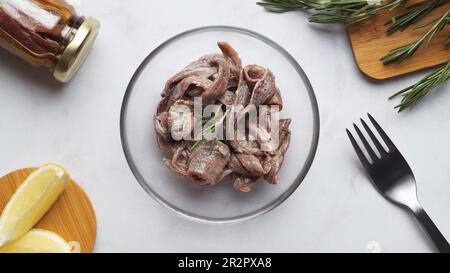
(437, 237)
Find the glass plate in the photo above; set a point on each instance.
(221, 203)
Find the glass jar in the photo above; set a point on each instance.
(47, 33)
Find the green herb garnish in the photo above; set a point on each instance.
(210, 132)
(414, 13)
(352, 11)
(412, 94)
(406, 51)
(333, 11)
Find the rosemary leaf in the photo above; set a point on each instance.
(210, 132)
(282, 5)
(197, 143)
(330, 18)
(213, 144)
(412, 94)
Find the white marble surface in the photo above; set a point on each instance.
(335, 209)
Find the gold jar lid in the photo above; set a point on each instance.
(77, 50)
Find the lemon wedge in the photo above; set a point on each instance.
(38, 241)
(31, 201)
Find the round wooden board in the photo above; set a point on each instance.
(72, 216)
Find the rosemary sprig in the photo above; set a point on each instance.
(413, 14)
(406, 51)
(284, 5)
(350, 15)
(412, 94)
(352, 11)
(210, 132)
(333, 11)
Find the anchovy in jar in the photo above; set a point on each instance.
(47, 33)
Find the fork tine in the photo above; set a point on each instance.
(383, 134)
(369, 149)
(373, 137)
(358, 151)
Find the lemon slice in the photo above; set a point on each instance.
(38, 241)
(31, 201)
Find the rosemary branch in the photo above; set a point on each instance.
(350, 15)
(406, 51)
(352, 11)
(414, 13)
(333, 11)
(412, 94)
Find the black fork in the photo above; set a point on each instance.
(393, 178)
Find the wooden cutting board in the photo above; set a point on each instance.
(370, 43)
(72, 216)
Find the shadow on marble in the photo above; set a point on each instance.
(26, 72)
